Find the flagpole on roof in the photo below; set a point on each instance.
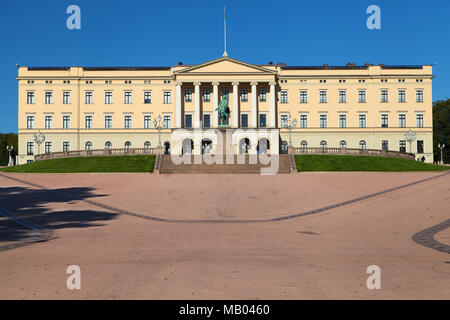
(225, 54)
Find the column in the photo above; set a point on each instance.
(235, 105)
(272, 110)
(254, 105)
(215, 104)
(197, 105)
(178, 115)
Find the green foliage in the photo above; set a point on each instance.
(9, 139)
(441, 129)
(361, 163)
(139, 163)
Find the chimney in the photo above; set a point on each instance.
(325, 65)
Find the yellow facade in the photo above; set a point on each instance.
(186, 87)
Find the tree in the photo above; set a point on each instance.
(441, 129)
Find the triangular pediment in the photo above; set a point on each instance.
(225, 65)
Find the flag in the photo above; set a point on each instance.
(225, 12)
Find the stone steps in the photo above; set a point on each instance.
(168, 167)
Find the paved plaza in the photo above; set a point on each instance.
(298, 236)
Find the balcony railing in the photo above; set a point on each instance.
(353, 152)
(96, 153)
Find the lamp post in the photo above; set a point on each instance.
(39, 138)
(159, 128)
(11, 148)
(289, 125)
(441, 146)
(410, 137)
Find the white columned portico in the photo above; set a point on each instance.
(197, 105)
(254, 105)
(272, 110)
(215, 104)
(235, 105)
(178, 115)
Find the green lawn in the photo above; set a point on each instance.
(360, 163)
(140, 163)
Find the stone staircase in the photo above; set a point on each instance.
(168, 167)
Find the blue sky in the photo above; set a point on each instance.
(162, 33)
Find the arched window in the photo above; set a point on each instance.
(147, 145)
(108, 145)
(127, 145)
(343, 144)
(187, 146)
(88, 145)
(263, 146)
(362, 145)
(304, 144)
(166, 147)
(323, 144)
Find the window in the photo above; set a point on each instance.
(419, 120)
(66, 122)
(108, 145)
(147, 97)
(48, 97)
(244, 120)
(303, 121)
(166, 121)
(226, 94)
(361, 96)
(401, 96)
(323, 144)
(323, 120)
(108, 97)
(262, 95)
(147, 145)
(88, 122)
(342, 96)
(304, 144)
(127, 122)
(322, 96)
(284, 97)
(30, 97)
(303, 96)
(262, 120)
(30, 122)
(343, 144)
(419, 146)
(66, 97)
(187, 95)
(48, 122)
(342, 121)
(167, 97)
(30, 148)
(206, 120)
(385, 145)
(108, 122)
(384, 96)
(419, 95)
(402, 146)
(362, 121)
(127, 145)
(384, 121)
(284, 120)
(362, 145)
(66, 146)
(244, 95)
(127, 97)
(402, 120)
(88, 97)
(188, 121)
(147, 122)
(88, 146)
(206, 95)
(48, 147)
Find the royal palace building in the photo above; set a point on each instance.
(367, 107)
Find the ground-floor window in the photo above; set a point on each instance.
(402, 146)
(166, 147)
(362, 145)
(323, 144)
(147, 145)
(30, 148)
(385, 145)
(127, 145)
(88, 146)
(108, 145)
(48, 147)
(343, 144)
(66, 146)
(419, 146)
(304, 144)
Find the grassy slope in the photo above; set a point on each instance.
(140, 163)
(360, 163)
